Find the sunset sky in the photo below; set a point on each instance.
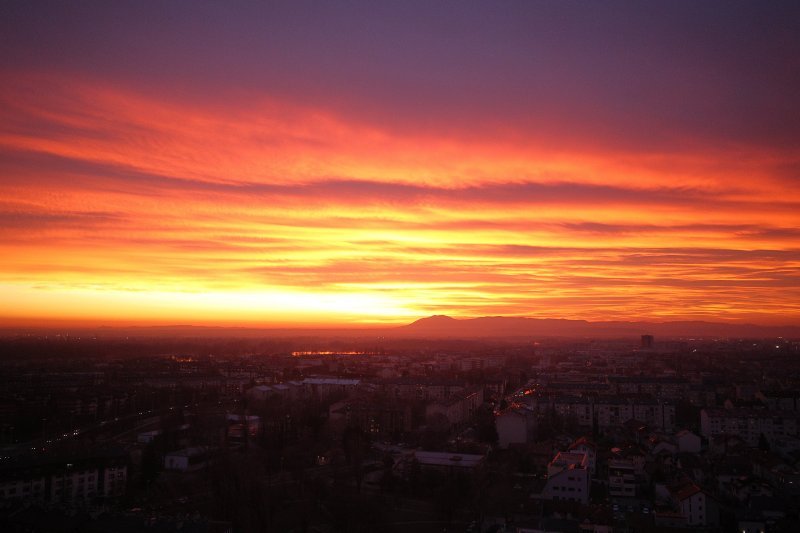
(331, 163)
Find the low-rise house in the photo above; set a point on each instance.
(687, 441)
(146, 437)
(744, 488)
(447, 463)
(696, 505)
(771, 467)
(188, 459)
(749, 521)
(659, 445)
(727, 445)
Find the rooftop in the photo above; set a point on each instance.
(461, 460)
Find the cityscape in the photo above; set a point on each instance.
(296, 266)
(106, 433)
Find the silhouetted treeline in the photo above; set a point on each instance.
(70, 348)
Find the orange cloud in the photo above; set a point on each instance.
(119, 206)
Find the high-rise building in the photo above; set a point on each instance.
(647, 341)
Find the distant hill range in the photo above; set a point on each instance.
(497, 326)
(445, 327)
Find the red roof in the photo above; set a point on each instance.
(583, 441)
(685, 491)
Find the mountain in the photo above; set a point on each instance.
(440, 326)
(445, 327)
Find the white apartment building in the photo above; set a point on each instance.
(30, 488)
(621, 478)
(748, 424)
(568, 478)
(696, 506)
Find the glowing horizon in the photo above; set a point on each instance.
(162, 194)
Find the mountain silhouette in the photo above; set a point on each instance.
(446, 327)
(442, 326)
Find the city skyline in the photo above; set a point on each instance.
(320, 165)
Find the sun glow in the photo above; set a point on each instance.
(256, 307)
(275, 213)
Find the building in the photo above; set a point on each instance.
(447, 463)
(291, 390)
(626, 471)
(454, 411)
(613, 411)
(188, 459)
(695, 505)
(568, 478)
(515, 425)
(584, 445)
(647, 341)
(420, 388)
(74, 483)
(77, 481)
(114, 480)
(325, 387)
(780, 400)
(661, 387)
(621, 478)
(147, 437)
(373, 416)
(687, 442)
(748, 424)
(28, 488)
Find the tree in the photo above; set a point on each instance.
(151, 464)
(486, 426)
(356, 445)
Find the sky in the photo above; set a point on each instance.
(339, 163)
